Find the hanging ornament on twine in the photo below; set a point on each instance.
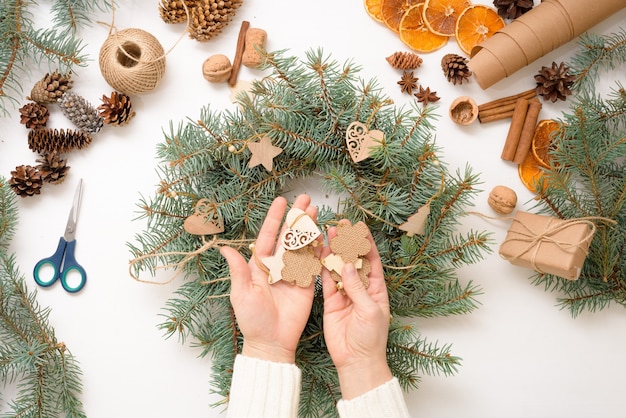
(132, 60)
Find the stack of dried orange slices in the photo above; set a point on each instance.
(427, 25)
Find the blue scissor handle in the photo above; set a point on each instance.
(56, 261)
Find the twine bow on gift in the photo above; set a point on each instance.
(536, 238)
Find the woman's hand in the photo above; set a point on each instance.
(271, 316)
(356, 326)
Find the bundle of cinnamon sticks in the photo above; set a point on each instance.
(502, 108)
(523, 110)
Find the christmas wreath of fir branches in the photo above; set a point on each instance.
(305, 106)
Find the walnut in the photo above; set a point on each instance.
(217, 68)
(502, 199)
(463, 110)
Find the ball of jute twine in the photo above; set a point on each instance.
(132, 61)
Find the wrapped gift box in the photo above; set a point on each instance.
(547, 244)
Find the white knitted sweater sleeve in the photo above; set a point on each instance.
(263, 388)
(387, 400)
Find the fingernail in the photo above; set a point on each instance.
(349, 269)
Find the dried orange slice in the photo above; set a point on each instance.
(441, 15)
(530, 173)
(543, 142)
(476, 24)
(415, 34)
(373, 9)
(393, 10)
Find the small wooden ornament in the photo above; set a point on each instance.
(360, 140)
(205, 220)
(263, 152)
(301, 230)
(335, 263)
(416, 223)
(275, 264)
(301, 266)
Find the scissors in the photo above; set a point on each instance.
(63, 261)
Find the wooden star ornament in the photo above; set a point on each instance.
(263, 152)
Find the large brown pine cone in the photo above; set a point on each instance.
(173, 11)
(512, 9)
(26, 181)
(209, 17)
(50, 88)
(43, 140)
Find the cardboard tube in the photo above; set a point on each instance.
(552, 22)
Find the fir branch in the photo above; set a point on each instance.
(597, 53)
(47, 375)
(22, 43)
(587, 177)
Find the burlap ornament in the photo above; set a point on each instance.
(301, 266)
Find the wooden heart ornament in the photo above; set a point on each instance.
(205, 220)
(360, 140)
(301, 230)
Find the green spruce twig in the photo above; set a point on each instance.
(45, 373)
(305, 107)
(587, 177)
(22, 43)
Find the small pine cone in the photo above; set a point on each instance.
(34, 115)
(50, 88)
(52, 168)
(455, 68)
(554, 83)
(512, 9)
(173, 11)
(209, 17)
(404, 60)
(57, 140)
(116, 110)
(81, 113)
(26, 181)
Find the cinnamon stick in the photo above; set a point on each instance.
(241, 44)
(528, 131)
(486, 115)
(513, 135)
(497, 116)
(528, 94)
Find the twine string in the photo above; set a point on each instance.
(213, 243)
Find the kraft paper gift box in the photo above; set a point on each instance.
(547, 244)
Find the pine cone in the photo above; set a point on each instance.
(34, 115)
(404, 60)
(553, 83)
(209, 17)
(26, 181)
(455, 68)
(52, 168)
(81, 113)
(116, 110)
(173, 11)
(512, 9)
(50, 88)
(54, 140)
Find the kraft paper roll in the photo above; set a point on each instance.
(547, 26)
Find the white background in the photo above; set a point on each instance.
(522, 356)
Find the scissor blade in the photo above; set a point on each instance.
(70, 228)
